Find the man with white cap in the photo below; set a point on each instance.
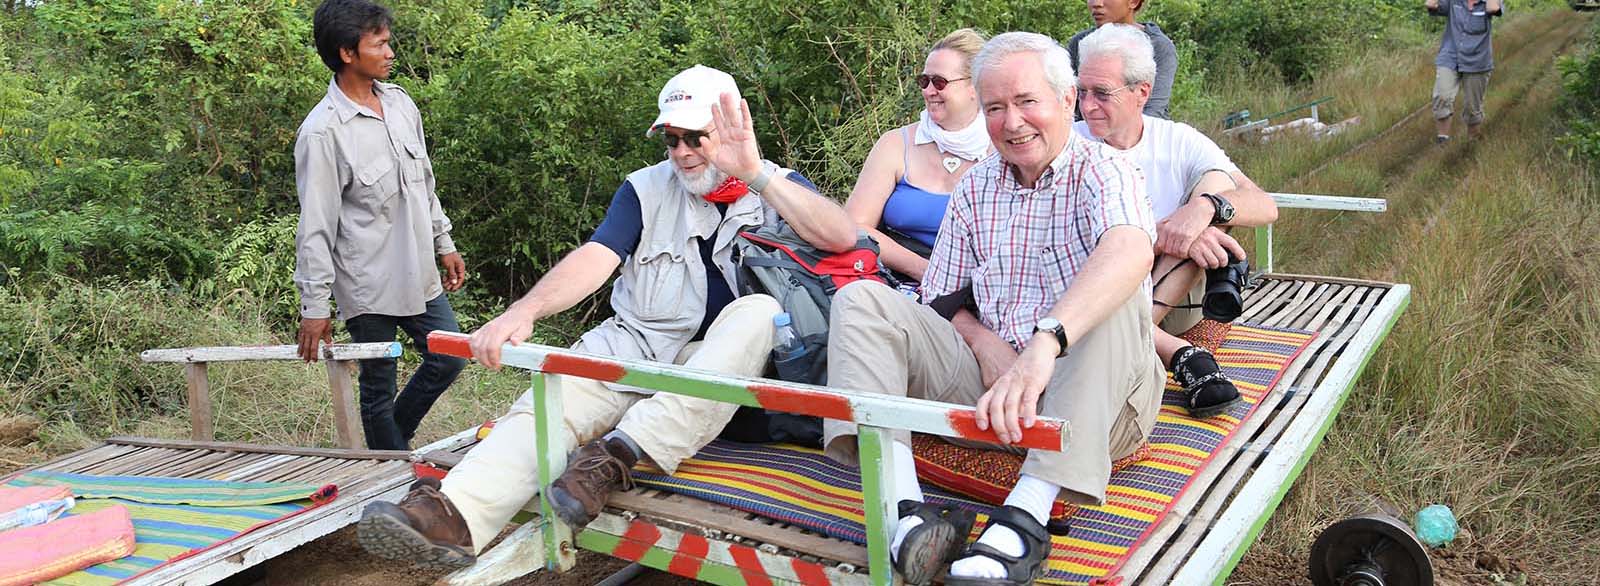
(670, 228)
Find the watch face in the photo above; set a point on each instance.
(1048, 324)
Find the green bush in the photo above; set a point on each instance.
(1580, 75)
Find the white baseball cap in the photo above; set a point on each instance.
(687, 98)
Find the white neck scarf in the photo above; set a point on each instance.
(970, 143)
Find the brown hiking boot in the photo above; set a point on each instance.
(423, 528)
(596, 470)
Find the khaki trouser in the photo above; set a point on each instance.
(501, 473)
(1181, 319)
(1108, 387)
(1448, 82)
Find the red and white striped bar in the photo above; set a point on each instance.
(873, 409)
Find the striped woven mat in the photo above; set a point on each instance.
(175, 518)
(802, 487)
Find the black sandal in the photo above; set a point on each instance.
(1208, 389)
(929, 547)
(1020, 570)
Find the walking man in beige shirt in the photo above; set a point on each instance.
(370, 223)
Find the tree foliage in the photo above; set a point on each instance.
(153, 138)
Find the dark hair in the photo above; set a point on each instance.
(339, 24)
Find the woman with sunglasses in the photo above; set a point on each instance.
(905, 184)
(1123, 12)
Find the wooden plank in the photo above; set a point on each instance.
(1301, 298)
(1195, 527)
(1324, 279)
(1267, 301)
(704, 514)
(1329, 202)
(519, 554)
(1159, 546)
(1313, 321)
(280, 352)
(1238, 526)
(194, 374)
(1318, 297)
(346, 411)
(876, 448)
(250, 473)
(657, 546)
(1261, 293)
(241, 447)
(560, 545)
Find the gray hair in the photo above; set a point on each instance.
(1125, 41)
(1057, 63)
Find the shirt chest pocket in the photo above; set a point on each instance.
(378, 181)
(1474, 21)
(419, 168)
(659, 290)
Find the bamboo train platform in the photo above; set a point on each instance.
(362, 476)
(1207, 530)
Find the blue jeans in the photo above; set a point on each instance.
(390, 422)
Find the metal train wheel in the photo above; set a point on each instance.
(1372, 549)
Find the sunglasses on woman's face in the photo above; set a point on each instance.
(693, 138)
(938, 81)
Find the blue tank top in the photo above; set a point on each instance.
(912, 210)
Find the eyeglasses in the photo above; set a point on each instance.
(938, 81)
(693, 138)
(1102, 95)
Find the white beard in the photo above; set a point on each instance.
(701, 183)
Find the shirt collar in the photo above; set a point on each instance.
(347, 108)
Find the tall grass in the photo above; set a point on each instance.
(1486, 396)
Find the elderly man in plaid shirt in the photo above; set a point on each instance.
(1036, 301)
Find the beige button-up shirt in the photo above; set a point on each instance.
(370, 223)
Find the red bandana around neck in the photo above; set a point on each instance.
(728, 192)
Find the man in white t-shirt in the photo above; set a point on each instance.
(1195, 190)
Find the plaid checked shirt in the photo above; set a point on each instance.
(1020, 247)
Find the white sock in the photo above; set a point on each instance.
(906, 488)
(1032, 494)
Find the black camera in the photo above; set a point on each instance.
(1224, 300)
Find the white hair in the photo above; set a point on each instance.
(1125, 41)
(1055, 59)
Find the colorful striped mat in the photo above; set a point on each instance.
(803, 487)
(175, 518)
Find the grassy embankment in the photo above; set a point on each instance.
(1486, 396)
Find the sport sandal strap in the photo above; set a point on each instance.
(1023, 569)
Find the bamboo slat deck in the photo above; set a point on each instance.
(361, 475)
(1198, 542)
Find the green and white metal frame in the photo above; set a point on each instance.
(1310, 202)
(875, 414)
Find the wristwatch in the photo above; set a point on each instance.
(1224, 210)
(1053, 326)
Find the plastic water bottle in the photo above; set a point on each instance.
(1435, 525)
(788, 350)
(785, 342)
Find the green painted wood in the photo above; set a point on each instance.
(1264, 248)
(1322, 431)
(875, 445)
(726, 392)
(560, 555)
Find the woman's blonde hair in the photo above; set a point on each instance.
(965, 41)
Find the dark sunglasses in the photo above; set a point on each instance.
(938, 81)
(693, 138)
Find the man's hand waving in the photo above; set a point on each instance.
(737, 152)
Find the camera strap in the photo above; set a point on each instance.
(1163, 279)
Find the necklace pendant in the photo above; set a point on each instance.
(951, 163)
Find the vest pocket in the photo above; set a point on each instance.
(658, 292)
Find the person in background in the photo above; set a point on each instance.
(371, 224)
(1107, 12)
(1463, 64)
(905, 185)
